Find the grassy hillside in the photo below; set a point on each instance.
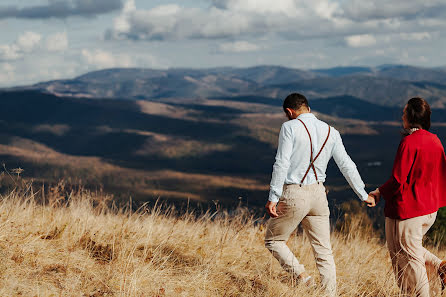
(79, 245)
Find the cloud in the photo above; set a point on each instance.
(364, 40)
(402, 9)
(288, 19)
(172, 22)
(24, 44)
(61, 9)
(9, 52)
(416, 36)
(121, 23)
(368, 40)
(28, 41)
(57, 42)
(7, 75)
(100, 59)
(238, 47)
(223, 19)
(286, 7)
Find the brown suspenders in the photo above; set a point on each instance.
(311, 149)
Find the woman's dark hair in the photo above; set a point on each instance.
(295, 101)
(418, 113)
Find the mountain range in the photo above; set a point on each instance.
(388, 85)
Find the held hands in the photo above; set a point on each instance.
(271, 209)
(373, 198)
(371, 202)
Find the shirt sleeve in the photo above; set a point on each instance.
(348, 168)
(401, 168)
(280, 168)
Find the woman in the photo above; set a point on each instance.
(413, 195)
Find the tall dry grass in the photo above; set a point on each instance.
(80, 246)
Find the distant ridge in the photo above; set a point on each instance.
(387, 85)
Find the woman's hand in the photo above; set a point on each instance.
(376, 194)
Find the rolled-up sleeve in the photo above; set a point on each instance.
(348, 168)
(280, 168)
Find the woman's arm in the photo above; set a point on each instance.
(404, 159)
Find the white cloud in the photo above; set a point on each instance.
(121, 23)
(286, 7)
(7, 74)
(224, 18)
(102, 59)
(25, 43)
(9, 52)
(7, 67)
(99, 59)
(289, 19)
(28, 41)
(364, 40)
(326, 9)
(174, 22)
(400, 38)
(384, 9)
(57, 42)
(238, 47)
(417, 36)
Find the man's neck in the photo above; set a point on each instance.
(301, 113)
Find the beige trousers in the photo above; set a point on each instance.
(307, 205)
(409, 258)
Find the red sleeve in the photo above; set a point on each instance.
(404, 159)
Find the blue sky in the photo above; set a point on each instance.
(53, 39)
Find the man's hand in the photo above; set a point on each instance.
(271, 209)
(370, 201)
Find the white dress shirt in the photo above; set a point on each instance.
(293, 156)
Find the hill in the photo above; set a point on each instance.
(176, 149)
(76, 245)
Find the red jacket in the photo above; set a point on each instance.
(417, 186)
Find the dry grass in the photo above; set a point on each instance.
(79, 246)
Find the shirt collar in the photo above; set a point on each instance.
(308, 115)
(413, 130)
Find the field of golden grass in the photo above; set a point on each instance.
(80, 245)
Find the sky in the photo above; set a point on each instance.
(43, 40)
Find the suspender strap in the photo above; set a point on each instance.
(311, 155)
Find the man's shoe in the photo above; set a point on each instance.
(306, 279)
(309, 282)
(442, 274)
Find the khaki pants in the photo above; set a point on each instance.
(409, 258)
(307, 205)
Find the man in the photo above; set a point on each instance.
(297, 193)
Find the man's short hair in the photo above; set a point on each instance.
(295, 101)
(418, 113)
